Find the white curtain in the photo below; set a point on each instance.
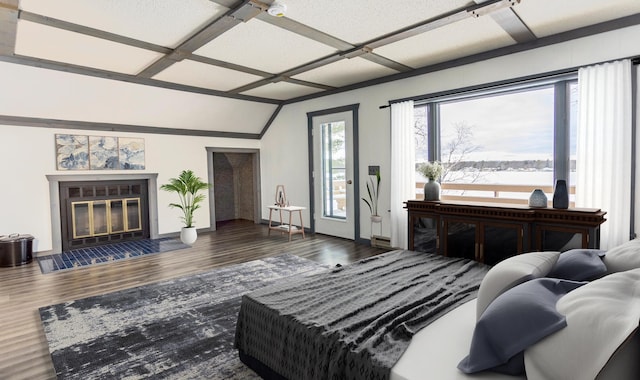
(403, 178)
(637, 153)
(603, 162)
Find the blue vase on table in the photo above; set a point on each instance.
(561, 195)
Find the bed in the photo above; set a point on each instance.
(406, 315)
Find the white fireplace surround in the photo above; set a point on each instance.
(54, 196)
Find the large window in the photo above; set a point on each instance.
(500, 143)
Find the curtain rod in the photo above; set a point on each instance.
(635, 60)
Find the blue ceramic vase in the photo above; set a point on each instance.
(561, 194)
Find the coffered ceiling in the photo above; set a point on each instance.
(233, 55)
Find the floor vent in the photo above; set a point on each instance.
(380, 241)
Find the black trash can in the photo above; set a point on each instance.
(15, 250)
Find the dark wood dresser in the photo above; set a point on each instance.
(491, 232)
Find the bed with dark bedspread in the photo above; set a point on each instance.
(351, 322)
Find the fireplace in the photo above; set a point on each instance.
(89, 210)
(99, 212)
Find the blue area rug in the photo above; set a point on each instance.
(178, 329)
(83, 257)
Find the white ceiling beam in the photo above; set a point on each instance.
(27, 121)
(346, 49)
(112, 75)
(243, 11)
(305, 31)
(276, 79)
(437, 22)
(228, 65)
(510, 22)
(383, 61)
(312, 65)
(71, 27)
(8, 26)
(289, 73)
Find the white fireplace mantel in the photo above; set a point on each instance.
(54, 196)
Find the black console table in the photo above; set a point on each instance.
(491, 232)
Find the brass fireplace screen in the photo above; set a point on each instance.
(104, 217)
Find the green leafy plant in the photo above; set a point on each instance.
(373, 189)
(431, 170)
(187, 186)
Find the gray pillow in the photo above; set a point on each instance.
(579, 265)
(516, 319)
(511, 272)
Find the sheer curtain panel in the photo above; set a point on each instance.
(637, 151)
(403, 170)
(603, 162)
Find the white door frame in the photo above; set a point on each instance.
(353, 108)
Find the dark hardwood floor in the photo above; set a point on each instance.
(23, 348)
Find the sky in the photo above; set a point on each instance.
(515, 126)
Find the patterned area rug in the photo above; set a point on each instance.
(177, 329)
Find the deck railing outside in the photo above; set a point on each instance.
(473, 192)
(480, 192)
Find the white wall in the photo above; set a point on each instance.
(49, 94)
(27, 155)
(284, 148)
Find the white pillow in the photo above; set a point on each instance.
(601, 316)
(623, 257)
(511, 272)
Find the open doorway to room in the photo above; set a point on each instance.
(235, 194)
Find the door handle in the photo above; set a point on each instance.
(349, 182)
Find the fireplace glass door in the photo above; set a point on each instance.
(96, 218)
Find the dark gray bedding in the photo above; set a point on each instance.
(352, 322)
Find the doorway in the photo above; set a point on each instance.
(235, 194)
(333, 148)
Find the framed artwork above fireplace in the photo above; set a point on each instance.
(80, 152)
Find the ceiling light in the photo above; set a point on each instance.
(277, 9)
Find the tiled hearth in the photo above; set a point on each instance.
(82, 257)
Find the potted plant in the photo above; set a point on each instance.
(187, 186)
(431, 170)
(373, 190)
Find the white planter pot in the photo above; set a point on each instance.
(376, 218)
(188, 235)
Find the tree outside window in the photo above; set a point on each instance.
(499, 141)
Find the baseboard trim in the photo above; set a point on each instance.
(380, 241)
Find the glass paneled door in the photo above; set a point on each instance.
(333, 174)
